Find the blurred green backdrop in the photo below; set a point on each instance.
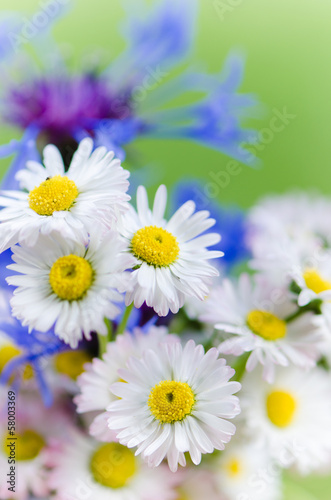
(287, 46)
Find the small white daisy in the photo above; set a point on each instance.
(246, 471)
(175, 400)
(171, 258)
(68, 285)
(284, 223)
(34, 427)
(255, 314)
(94, 187)
(99, 375)
(84, 468)
(291, 417)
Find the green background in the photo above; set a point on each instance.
(287, 47)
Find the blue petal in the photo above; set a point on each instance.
(230, 221)
(26, 150)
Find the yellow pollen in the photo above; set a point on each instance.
(55, 194)
(112, 465)
(171, 401)
(9, 352)
(315, 282)
(70, 277)
(266, 325)
(155, 245)
(281, 408)
(233, 467)
(71, 363)
(28, 444)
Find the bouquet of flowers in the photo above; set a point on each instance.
(151, 352)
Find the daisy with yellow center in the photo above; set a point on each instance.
(291, 417)
(95, 395)
(36, 427)
(235, 467)
(69, 285)
(94, 187)
(171, 257)
(252, 314)
(182, 406)
(110, 470)
(315, 284)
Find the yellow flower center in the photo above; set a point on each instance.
(155, 245)
(54, 194)
(233, 467)
(71, 363)
(113, 465)
(27, 445)
(281, 407)
(266, 325)
(70, 277)
(315, 282)
(9, 352)
(171, 401)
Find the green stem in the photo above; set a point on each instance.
(123, 323)
(109, 326)
(103, 341)
(313, 306)
(239, 366)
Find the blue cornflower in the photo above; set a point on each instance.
(21, 351)
(129, 98)
(230, 221)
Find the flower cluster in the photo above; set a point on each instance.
(143, 356)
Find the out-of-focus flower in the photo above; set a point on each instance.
(99, 375)
(195, 484)
(67, 285)
(255, 313)
(109, 471)
(128, 98)
(93, 188)
(33, 430)
(171, 258)
(174, 400)
(244, 470)
(291, 417)
(23, 357)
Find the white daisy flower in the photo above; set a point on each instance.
(94, 187)
(84, 468)
(99, 375)
(34, 427)
(255, 313)
(246, 471)
(175, 400)
(291, 417)
(171, 258)
(68, 285)
(284, 220)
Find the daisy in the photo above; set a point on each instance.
(99, 375)
(171, 258)
(254, 312)
(35, 426)
(84, 468)
(69, 286)
(174, 400)
(94, 187)
(244, 470)
(295, 217)
(291, 418)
